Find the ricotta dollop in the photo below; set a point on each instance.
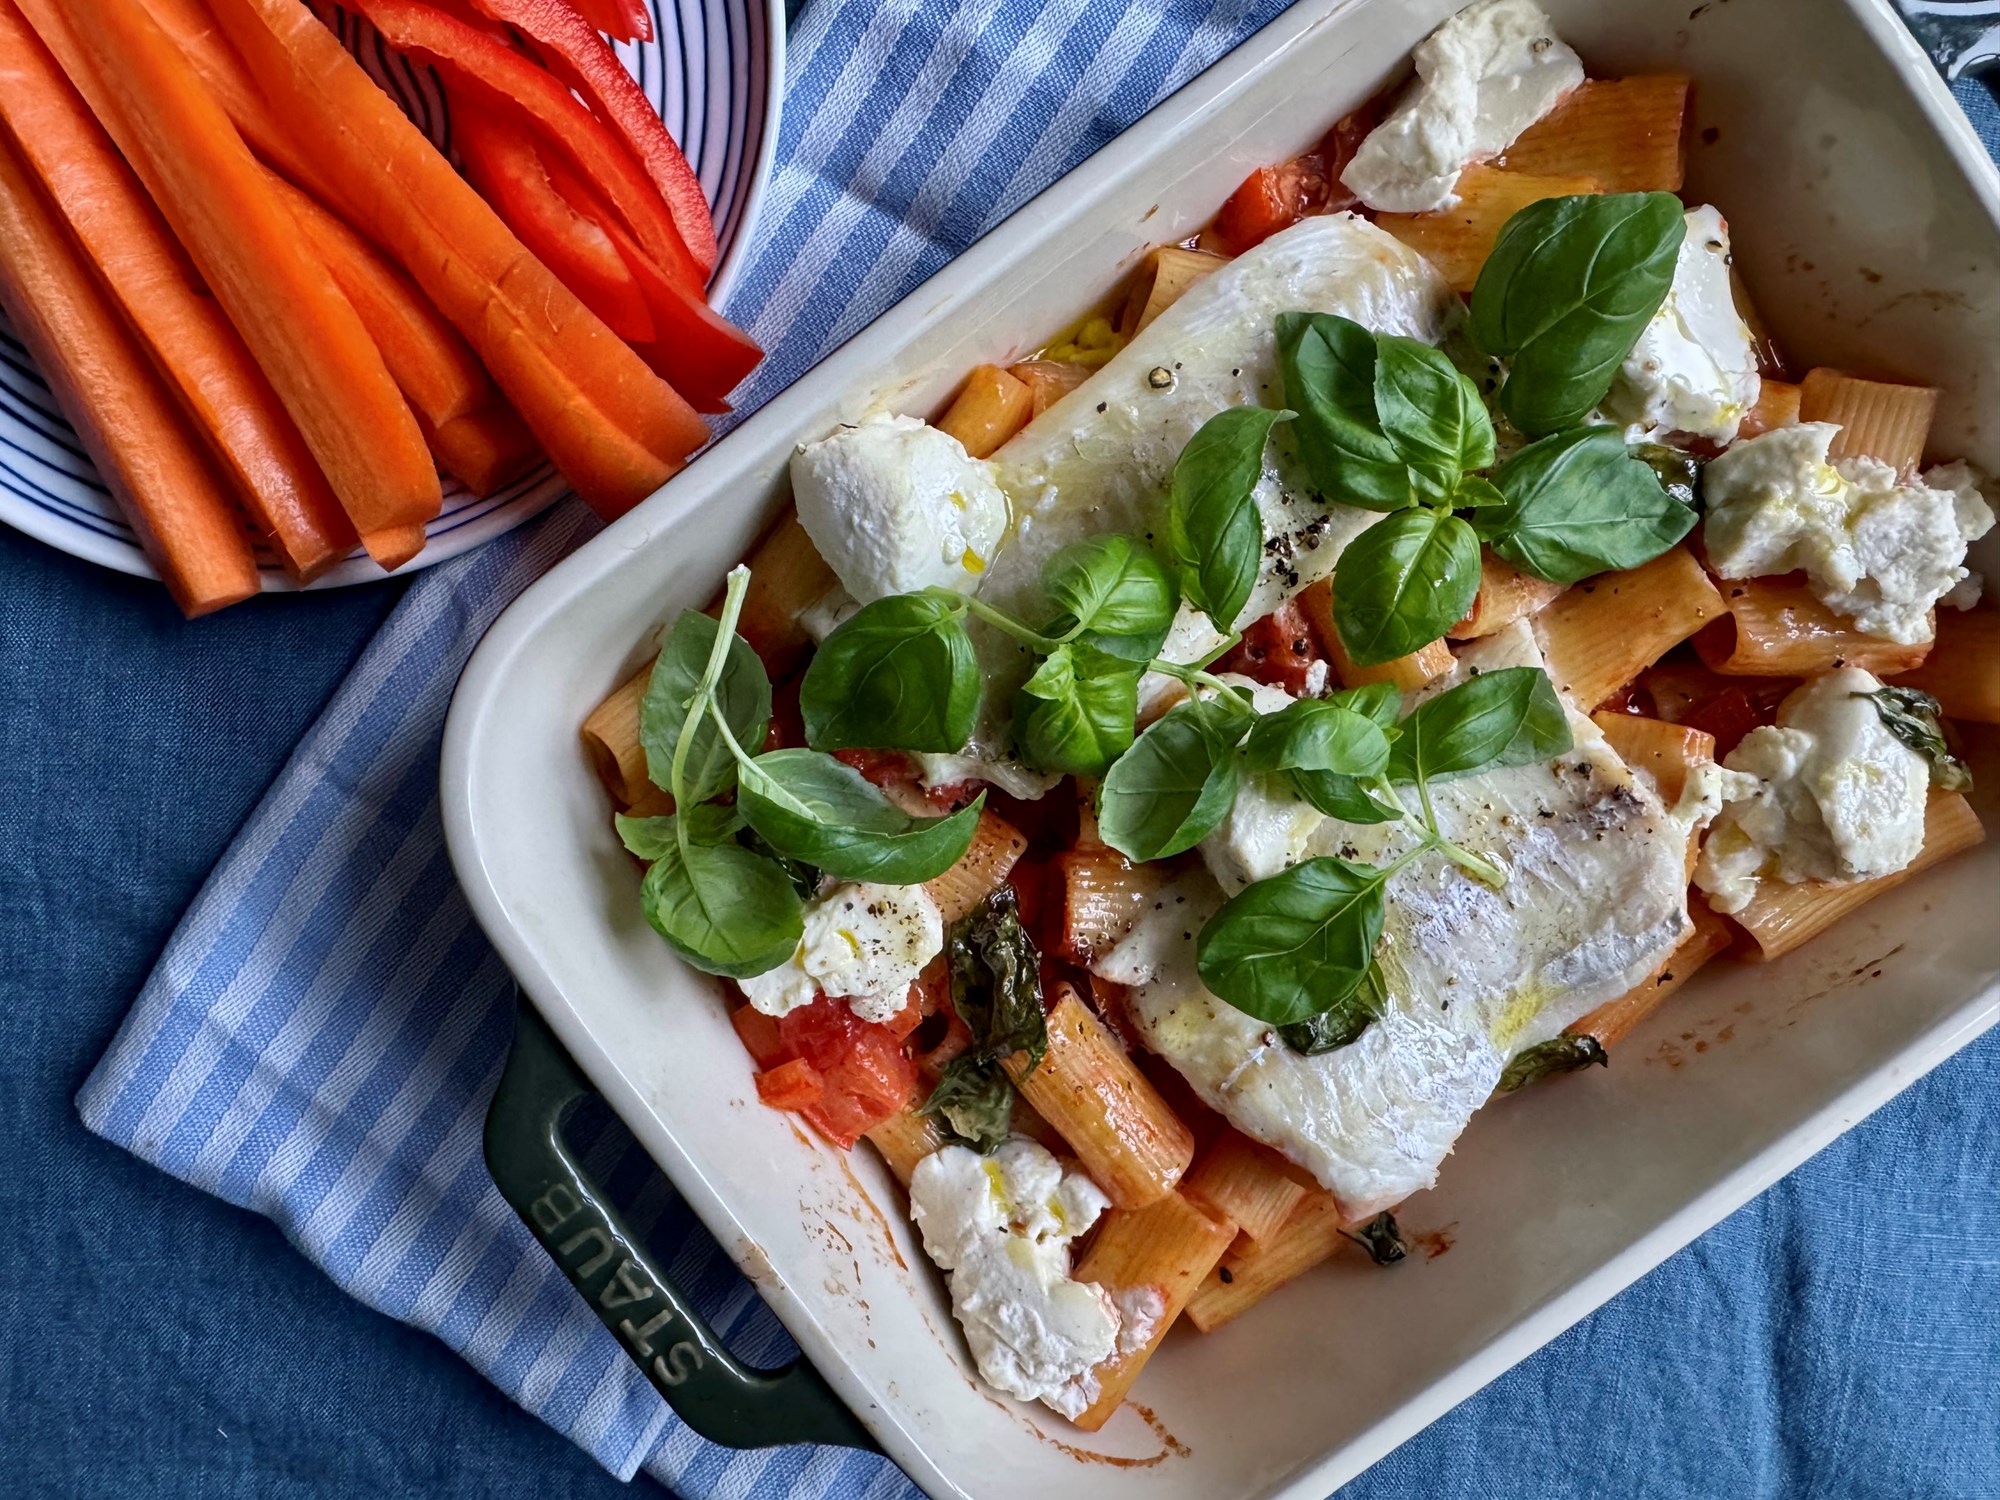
(1002, 1226)
(894, 505)
(863, 943)
(1694, 368)
(1826, 793)
(1483, 77)
(1878, 548)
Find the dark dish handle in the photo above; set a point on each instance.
(708, 1388)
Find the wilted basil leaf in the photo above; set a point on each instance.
(1559, 1054)
(1403, 583)
(996, 988)
(743, 693)
(1333, 1029)
(1509, 717)
(1296, 944)
(976, 1102)
(1913, 716)
(1578, 504)
(1570, 285)
(1382, 1238)
(1215, 536)
(899, 675)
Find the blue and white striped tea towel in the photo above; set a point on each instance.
(319, 1040)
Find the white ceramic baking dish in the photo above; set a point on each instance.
(1867, 222)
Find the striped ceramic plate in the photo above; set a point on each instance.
(714, 70)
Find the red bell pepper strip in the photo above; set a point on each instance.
(697, 351)
(571, 49)
(501, 160)
(476, 67)
(628, 20)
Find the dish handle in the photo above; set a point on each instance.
(708, 1388)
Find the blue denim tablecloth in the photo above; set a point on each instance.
(1841, 1336)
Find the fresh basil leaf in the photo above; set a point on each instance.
(1111, 587)
(1382, 1238)
(810, 807)
(1329, 365)
(1333, 1029)
(1177, 782)
(722, 908)
(1579, 503)
(743, 693)
(1296, 944)
(899, 675)
(1075, 715)
(1348, 798)
(1380, 701)
(649, 838)
(975, 1100)
(1317, 734)
(1431, 414)
(1680, 472)
(1476, 493)
(1914, 717)
(1215, 536)
(1570, 285)
(1509, 717)
(805, 878)
(996, 988)
(1403, 583)
(1559, 1054)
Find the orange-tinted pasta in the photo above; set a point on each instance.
(1048, 381)
(1779, 628)
(611, 735)
(1877, 419)
(1665, 752)
(1129, 1141)
(996, 845)
(1601, 634)
(1407, 672)
(904, 1140)
(1457, 240)
(1251, 1272)
(1104, 895)
(991, 407)
(787, 576)
(1615, 1020)
(1777, 406)
(1963, 670)
(1625, 132)
(1244, 1180)
(1780, 917)
(1170, 1245)
(1506, 594)
(1164, 277)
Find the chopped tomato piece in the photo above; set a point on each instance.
(791, 1085)
(1280, 650)
(885, 768)
(1277, 197)
(1729, 715)
(759, 1034)
(909, 1018)
(868, 1077)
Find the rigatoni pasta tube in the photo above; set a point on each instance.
(1104, 896)
(787, 576)
(1781, 917)
(1777, 405)
(1777, 628)
(904, 1139)
(991, 407)
(1129, 1141)
(1601, 634)
(1625, 132)
(1457, 240)
(1048, 381)
(1666, 752)
(1963, 670)
(1506, 594)
(1245, 1181)
(611, 735)
(996, 845)
(1251, 1272)
(1877, 419)
(1170, 1245)
(1164, 276)
(1615, 1020)
(1407, 672)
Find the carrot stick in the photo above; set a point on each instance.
(134, 432)
(613, 427)
(246, 243)
(430, 363)
(486, 449)
(227, 400)
(216, 63)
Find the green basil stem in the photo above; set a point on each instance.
(704, 697)
(1227, 646)
(1002, 621)
(1477, 866)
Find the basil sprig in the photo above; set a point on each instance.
(1302, 943)
(1570, 285)
(1915, 717)
(900, 674)
(726, 906)
(1580, 502)
(1215, 537)
(1177, 783)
